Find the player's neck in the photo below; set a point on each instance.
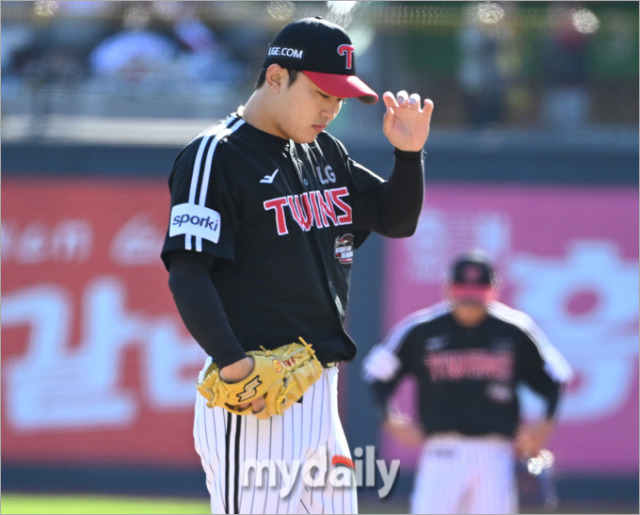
(256, 113)
(468, 318)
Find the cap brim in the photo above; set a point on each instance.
(343, 86)
(478, 293)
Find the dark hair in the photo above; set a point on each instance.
(293, 75)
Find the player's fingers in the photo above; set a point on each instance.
(414, 100)
(427, 108)
(390, 100)
(403, 98)
(258, 405)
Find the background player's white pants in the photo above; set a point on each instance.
(233, 447)
(458, 474)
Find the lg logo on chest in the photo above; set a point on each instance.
(326, 175)
(320, 208)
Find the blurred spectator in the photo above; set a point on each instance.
(16, 38)
(565, 99)
(136, 52)
(486, 68)
(48, 50)
(83, 8)
(205, 58)
(188, 49)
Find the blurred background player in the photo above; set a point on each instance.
(468, 355)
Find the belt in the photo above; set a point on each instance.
(329, 365)
(463, 436)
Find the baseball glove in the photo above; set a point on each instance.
(281, 375)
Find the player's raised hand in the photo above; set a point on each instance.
(406, 122)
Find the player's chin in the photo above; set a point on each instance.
(306, 138)
(473, 302)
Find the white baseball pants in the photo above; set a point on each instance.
(294, 463)
(459, 474)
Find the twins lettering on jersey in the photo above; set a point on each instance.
(319, 208)
(456, 365)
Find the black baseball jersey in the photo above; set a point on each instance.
(467, 377)
(282, 221)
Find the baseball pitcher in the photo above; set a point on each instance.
(267, 209)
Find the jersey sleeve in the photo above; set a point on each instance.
(203, 217)
(389, 207)
(367, 190)
(387, 363)
(200, 307)
(541, 366)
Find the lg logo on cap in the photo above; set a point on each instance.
(348, 51)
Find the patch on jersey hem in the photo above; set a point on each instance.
(343, 249)
(195, 220)
(500, 393)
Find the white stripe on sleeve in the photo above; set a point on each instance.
(382, 363)
(555, 365)
(231, 125)
(402, 328)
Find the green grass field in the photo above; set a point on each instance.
(14, 503)
(104, 504)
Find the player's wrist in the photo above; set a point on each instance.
(408, 155)
(237, 371)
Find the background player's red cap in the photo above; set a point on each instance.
(323, 51)
(472, 277)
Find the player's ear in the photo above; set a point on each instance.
(275, 77)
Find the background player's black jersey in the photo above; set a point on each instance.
(467, 377)
(282, 221)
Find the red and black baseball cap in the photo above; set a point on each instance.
(472, 278)
(323, 52)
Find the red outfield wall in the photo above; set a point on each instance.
(96, 364)
(98, 368)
